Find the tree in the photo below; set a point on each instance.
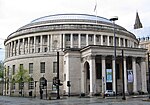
(1, 69)
(21, 77)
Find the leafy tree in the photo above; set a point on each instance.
(21, 77)
(1, 69)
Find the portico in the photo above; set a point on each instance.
(99, 74)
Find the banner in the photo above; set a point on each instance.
(108, 75)
(130, 76)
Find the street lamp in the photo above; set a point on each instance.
(58, 97)
(113, 19)
(149, 74)
(123, 92)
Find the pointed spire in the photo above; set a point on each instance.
(138, 23)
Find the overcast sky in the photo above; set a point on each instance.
(17, 13)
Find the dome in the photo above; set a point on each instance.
(71, 16)
(67, 22)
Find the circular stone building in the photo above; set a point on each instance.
(86, 56)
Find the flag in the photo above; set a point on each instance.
(95, 7)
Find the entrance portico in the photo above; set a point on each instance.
(102, 74)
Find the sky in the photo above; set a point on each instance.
(17, 13)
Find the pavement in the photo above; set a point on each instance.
(130, 100)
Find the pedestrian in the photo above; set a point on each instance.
(41, 93)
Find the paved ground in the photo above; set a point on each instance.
(6, 100)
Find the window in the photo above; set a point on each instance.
(42, 82)
(42, 66)
(21, 85)
(30, 68)
(97, 38)
(83, 37)
(67, 36)
(45, 49)
(90, 38)
(104, 39)
(13, 71)
(21, 67)
(75, 37)
(54, 67)
(31, 84)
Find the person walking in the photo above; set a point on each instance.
(41, 93)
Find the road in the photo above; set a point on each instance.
(6, 100)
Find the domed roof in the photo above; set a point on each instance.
(71, 16)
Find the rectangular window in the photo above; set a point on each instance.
(21, 66)
(42, 66)
(97, 38)
(75, 37)
(90, 38)
(83, 37)
(31, 85)
(67, 37)
(54, 67)
(30, 68)
(13, 71)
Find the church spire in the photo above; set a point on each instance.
(138, 23)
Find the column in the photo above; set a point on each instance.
(94, 39)
(103, 74)
(134, 75)
(143, 75)
(23, 46)
(28, 44)
(125, 76)
(114, 76)
(41, 44)
(11, 51)
(51, 41)
(64, 42)
(119, 42)
(83, 78)
(34, 44)
(18, 47)
(71, 41)
(124, 42)
(61, 41)
(108, 41)
(48, 45)
(6, 50)
(87, 40)
(15, 47)
(92, 75)
(101, 39)
(79, 40)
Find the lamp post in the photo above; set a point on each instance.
(35, 88)
(113, 19)
(123, 92)
(58, 81)
(148, 73)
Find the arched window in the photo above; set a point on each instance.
(31, 84)
(42, 82)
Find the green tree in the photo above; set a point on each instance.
(1, 69)
(21, 77)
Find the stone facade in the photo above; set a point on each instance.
(86, 52)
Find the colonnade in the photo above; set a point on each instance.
(45, 43)
(134, 69)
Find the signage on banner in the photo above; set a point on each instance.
(130, 76)
(108, 75)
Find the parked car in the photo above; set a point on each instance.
(109, 93)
